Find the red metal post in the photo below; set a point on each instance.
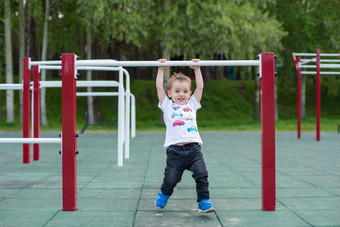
(318, 95)
(69, 143)
(36, 112)
(299, 101)
(268, 131)
(298, 70)
(26, 109)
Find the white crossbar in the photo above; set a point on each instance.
(30, 140)
(114, 63)
(11, 86)
(321, 60)
(95, 68)
(53, 67)
(326, 66)
(97, 93)
(45, 63)
(321, 73)
(92, 83)
(314, 54)
(94, 64)
(91, 68)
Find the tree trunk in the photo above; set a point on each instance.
(43, 58)
(256, 96)
(303, 97)
(90, 114)
(1, 114)
(166, 52)
(206, 74)
(276, 107)
(9, 64)
(167, 56)
(21, 48)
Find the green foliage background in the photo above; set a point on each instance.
(226, 105)
(184, 29)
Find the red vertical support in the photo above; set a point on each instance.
(26, 109)
(298, 70)
(268, 131)
(69, 143)
(299, 101)
(36, 112)
(318, 95)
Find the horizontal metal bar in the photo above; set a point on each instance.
(30, 140)
(45, 63)
(321, 73)
(92, 83)
(114, 63)
(306, 61)
(97, 93)
(314, 54)
(11, 86)
(321, 60)
(91, 68)
(51, 67)
(94, 68)
(325, 66)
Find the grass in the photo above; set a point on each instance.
(307, 124)
(226, 106)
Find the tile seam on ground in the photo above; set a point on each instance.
(141, 191)
(299, 216)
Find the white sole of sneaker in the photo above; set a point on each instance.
(210, 210)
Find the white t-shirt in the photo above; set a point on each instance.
(180, 121)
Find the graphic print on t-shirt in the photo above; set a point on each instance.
(181, 116)
(181, 126)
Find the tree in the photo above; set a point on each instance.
(310, 25)
(21, 48)
(108, 21)
(90, 20)
(9, 62)
(44, 58)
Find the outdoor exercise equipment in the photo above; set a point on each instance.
(69, 67)
(313, 61)
(267, 71)
(123, 134)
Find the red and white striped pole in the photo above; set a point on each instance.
(36, 112)
(318, 95)
(26, 109)
(268, 131)
(69, 142)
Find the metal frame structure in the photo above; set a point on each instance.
(316, 63)
(123, 125)
(69, 66)
(266, 64)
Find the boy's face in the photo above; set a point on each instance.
(180, 92)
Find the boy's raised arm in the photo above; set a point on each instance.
(199, 81)
(159, 82)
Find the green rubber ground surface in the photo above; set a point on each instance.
(307, 181)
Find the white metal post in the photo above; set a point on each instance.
(133, 116)
(127, 114)
(120, 119)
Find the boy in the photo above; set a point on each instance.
(182, 140)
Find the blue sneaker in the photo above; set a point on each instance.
(205, 206)
(162, 200)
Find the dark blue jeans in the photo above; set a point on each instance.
(186, 157)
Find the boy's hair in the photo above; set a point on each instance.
(178, 76)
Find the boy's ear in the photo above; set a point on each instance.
(169, 93)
